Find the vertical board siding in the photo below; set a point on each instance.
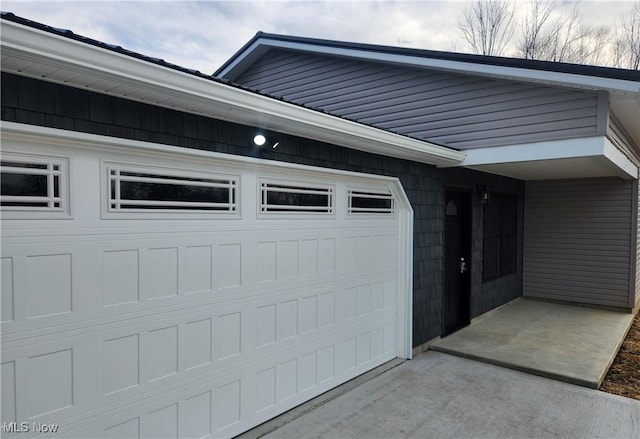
(577, 240)
(452, 109)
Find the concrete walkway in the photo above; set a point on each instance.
(437, 395)
(567, 343)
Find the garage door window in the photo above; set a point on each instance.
(299, 199)
(368, 202)
(144, 190)
(33, 185)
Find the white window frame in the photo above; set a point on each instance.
(111, 171)
(51, 211)
(378, 193)
(305, 187)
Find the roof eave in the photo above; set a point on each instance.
(264, 42)
(32, 52)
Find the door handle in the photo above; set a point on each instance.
(463, 266)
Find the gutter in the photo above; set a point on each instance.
(50, 57)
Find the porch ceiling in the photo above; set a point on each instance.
(561, 159)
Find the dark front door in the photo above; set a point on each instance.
(457, 259)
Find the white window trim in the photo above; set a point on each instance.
(63, 211)
(108, 212)
(296, 211)
(385, 194)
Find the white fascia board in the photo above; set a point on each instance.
(550, 150)
(596, 147)
(226, 102)
(240, 62)
(513, 73)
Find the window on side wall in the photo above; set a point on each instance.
(500, 236)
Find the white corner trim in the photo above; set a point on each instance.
(517, 73)
(404, 336)
(178, 90)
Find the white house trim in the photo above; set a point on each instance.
(45, 56)
(592, 156)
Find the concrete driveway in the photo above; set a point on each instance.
(437, 395)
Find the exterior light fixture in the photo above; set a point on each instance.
(259, 139)
(484, 194)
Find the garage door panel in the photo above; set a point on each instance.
(162, 325)
(146, 360)
(48, 382)
(163, 268)
(184, 414)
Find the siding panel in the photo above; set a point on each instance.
(452, 109)
(577, 240)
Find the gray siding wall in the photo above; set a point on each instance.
(578, 240)
(621, 140)
(451, 109)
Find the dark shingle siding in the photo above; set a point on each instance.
(424, 184)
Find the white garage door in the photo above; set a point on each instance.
(153, 292)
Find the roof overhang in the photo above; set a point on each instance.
(560, 159)
(624, 93)
(262, 44)
(50, 57)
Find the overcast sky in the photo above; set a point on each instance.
(203, 34)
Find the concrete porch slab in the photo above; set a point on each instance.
(563, 342)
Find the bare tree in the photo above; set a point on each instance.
(626, 47)
(593, 47)
(551, 36)
(534, 41)
(488, 26)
